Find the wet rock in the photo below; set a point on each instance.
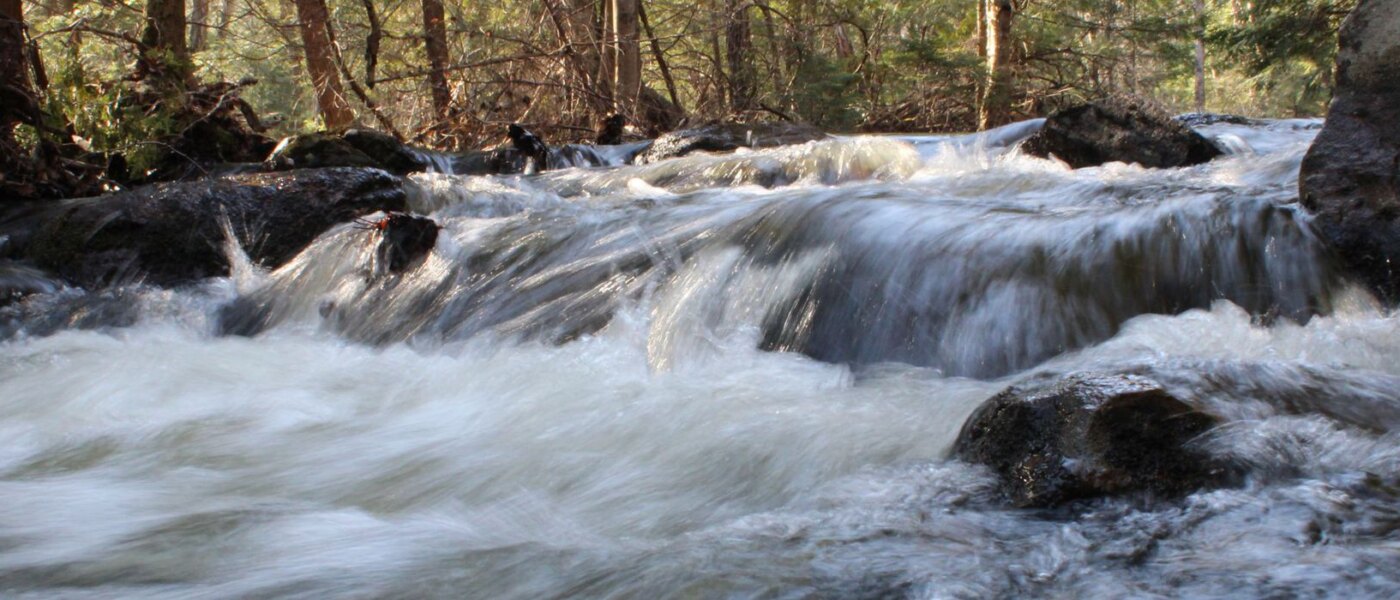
(70, 309)
(172, 233)
(1119, 130)
(404, 240)
(1204, 119)
(392, 155)
(1089, 435)
(18, 281)
(317, 150)
(1350, 177)
(529, 145)
(510, 160)
(727, 137)
(354, 148)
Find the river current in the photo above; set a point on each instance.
(714, 377)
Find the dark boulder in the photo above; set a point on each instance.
(489, 162)
(391, 154)
(1119, 130)
(1089, 435)
(728, 137)
(317, 150)
(1350, 177)
(529, 145)
(172, 233)
(354, 148)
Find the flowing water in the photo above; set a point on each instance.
(715, 376)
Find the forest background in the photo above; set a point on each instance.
(452, 73)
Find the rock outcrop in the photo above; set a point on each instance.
(173, 233)
(1089, 435)
(1119, 130)
(728, 137)
(1350, 177)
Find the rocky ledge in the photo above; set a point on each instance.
(1350, 177)
(174, 233)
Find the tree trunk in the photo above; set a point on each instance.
(982, 28)
(628, 81)
(1200, 8)
(435, 44)
(24, 171)
(164, 52)
(738, 41)
(1132, 49)
(996, 102)
(607, 60)
(199, 24)
(225, 17)
(770, 31)
(14, 71)
(320, 64)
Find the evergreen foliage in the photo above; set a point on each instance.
(903, 65)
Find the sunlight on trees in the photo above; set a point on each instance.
(452, 73)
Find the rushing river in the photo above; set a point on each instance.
(729, 376)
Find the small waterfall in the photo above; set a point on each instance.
(850, 251)
(713, 376)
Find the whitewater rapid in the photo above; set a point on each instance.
(732, 376)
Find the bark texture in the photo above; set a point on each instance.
(996, 101)
(738, 46)
(320, 64)
(164, 51)
(628, 65)
(435, 45)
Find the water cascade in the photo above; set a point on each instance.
(713, 376)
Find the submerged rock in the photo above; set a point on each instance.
(18, 281)
(1089, 435)
(172, 233)
(727, 137)
(1350, 177)
(1119, 130)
